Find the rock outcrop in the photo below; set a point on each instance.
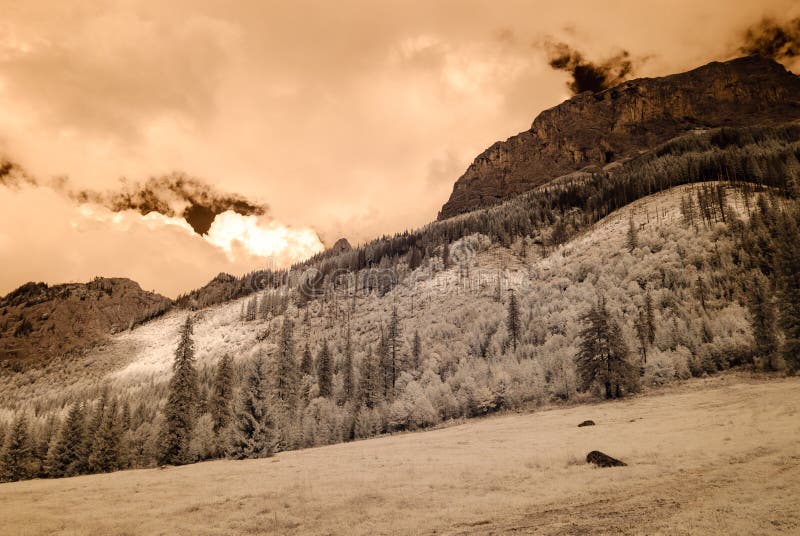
(594, 129)
(38, 321)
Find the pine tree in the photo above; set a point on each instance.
(15, 458)
(788, 275)
(307, 361)
(43, 440)
(370, 381)
(416, 351)
(179, 412)
(251, 433)
(393, 338)
(602, 355)
(286, 376)
(512, 321)
(446, 255)
(67, 456)
(105, 447)
(252, 308)
(649, 318)
(347, 367)
(762, 320)
(385, 363)
(325, 371)
(632, 238)
(222, 395)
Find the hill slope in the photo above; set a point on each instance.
(38, 321)
(715, 456)
(595, 129)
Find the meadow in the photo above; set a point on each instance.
(717, 455)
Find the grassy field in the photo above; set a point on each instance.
(714, 456)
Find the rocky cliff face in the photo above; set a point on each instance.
(38, 321)
(593, 129)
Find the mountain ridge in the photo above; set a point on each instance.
(595, 129)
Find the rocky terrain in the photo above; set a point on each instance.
(595, 129)
(38, 321)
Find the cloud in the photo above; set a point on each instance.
(773, 39)
(587, 75)
(171, 195)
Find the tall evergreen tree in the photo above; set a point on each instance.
(252, 430)
(370, 381)
(512, 321)
(762, 320)
(286, 373)
(602, 355)
(385, 363)
(393, 338)
(788, 275)
(325, 371)
(67, 456)
(179, 412)
(307, 361)
(416, 351)
(649, 318)
(632, 237)
(105, 446)
(222, 395)
(15, 458)
(347, 367)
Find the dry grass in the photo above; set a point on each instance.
(718, 456)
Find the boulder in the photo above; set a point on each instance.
(586, 423)
(603, 460)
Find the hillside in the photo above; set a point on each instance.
(714, 456)
(592, 130)
(466, 365)
(39, 322)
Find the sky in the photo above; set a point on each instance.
(297, 123)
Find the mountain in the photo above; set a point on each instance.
(38, 321)
(595, 129)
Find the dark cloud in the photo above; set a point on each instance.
(173, 195)
(11, 175)
(773, 39)
(587, 75)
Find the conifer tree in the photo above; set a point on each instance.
(42, 445)
(67, 456)
(602, 355)
(788, 275)
(512, 321)
(307, 361)
(286, 374)
(416, 351)
(252, 429)
(347, 367)
(370, 381)
(222, 395)
(649, 318)
(15, 458)
(762, 320)
(105, 446)
(385, 363)
(632, 238)
(393, 338)
(325, 371)
(179, 412)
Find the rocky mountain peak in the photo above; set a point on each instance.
(594, 129)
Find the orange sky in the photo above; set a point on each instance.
(346, 118)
